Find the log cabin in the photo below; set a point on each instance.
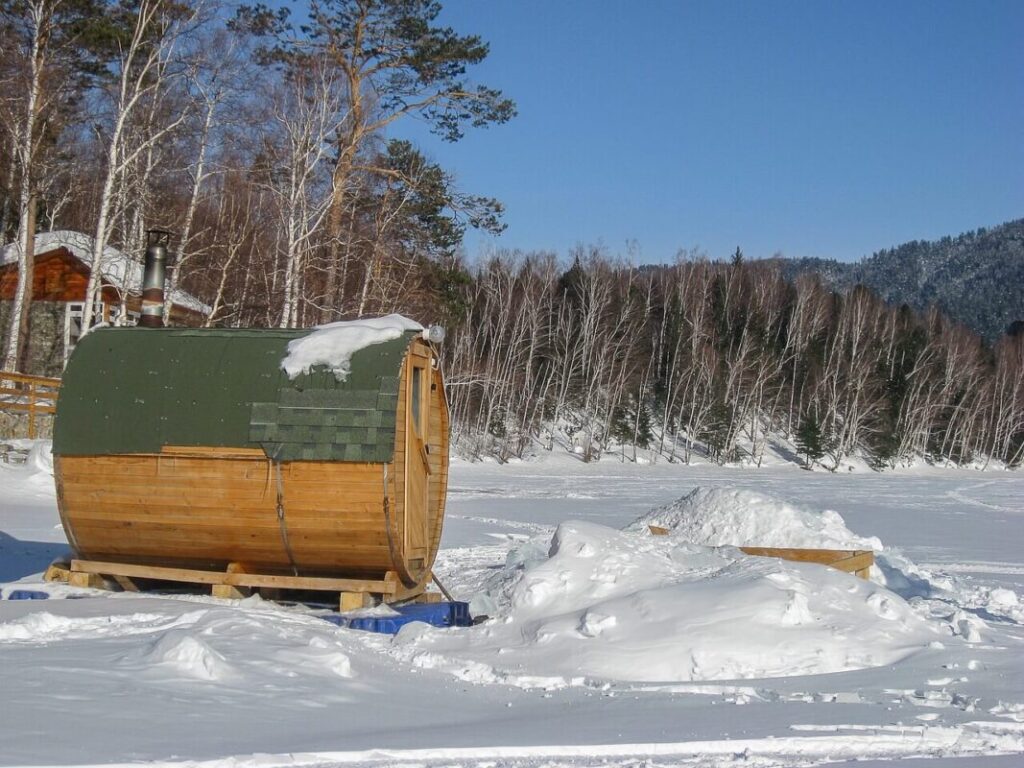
(60, 276)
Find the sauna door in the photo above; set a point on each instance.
(417, 468)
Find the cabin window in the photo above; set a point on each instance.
(417, 399)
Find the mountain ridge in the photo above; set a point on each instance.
(976, 277)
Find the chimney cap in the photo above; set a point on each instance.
(158, 237)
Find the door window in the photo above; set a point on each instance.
(417, 399)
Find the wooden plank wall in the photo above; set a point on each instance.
(207, 512)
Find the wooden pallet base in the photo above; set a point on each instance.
(237, 582)
(855, 561)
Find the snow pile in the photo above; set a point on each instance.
(187, 654)
(738, 517)
(615, 605)
(40, 457)
(43, 627)
(176, 641)
(334, 344)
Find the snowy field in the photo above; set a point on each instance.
(606, 647)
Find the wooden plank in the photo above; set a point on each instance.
(25, 378)
(856, 561)
(408, 593)
(229, 592)
(202, 518)
(332, 475)
(196, 576)
(199, 517)
(822, 556)
(126, 506)
(158, 536)
(126, 583)
(202, 556)
(127, 460)
(85, 580)
(354, 601)
(57, 572)
(315, 583)
(344, 496)
(29, 407)
(212, 452)
(429, 597)
(858, 564)
(328, 471)
(221, 484)
(153, 486)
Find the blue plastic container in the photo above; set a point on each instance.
(27, 594)
(454, 614)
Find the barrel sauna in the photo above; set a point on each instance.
(195, 449)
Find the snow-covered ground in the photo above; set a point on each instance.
(605, 647)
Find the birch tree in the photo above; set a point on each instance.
(52, 47)
(305, 117)
(146, 66)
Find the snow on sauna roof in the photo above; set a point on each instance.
(333, 344)
(119, 270)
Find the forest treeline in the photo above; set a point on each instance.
(721, 358)
(266, 146)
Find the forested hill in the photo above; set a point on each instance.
(976, 278)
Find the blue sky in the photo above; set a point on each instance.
(811, 128)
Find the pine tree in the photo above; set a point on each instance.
(393, 61)
(810, 440)
(632, 420)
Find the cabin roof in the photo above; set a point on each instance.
(117, 268)
(135, 390)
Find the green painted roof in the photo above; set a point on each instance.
(135, 390)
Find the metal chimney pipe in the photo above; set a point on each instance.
(153, 278)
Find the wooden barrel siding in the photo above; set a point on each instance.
(207, 507)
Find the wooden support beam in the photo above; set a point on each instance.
(353, 601)
(429, 597)
(86, 580)
(228, 592)
(126, 583)
(57, 572)
(385, 587)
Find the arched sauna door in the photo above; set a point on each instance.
(418, 478)
(417, 457)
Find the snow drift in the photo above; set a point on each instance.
(625, 606)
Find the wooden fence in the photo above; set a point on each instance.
(35, 395)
